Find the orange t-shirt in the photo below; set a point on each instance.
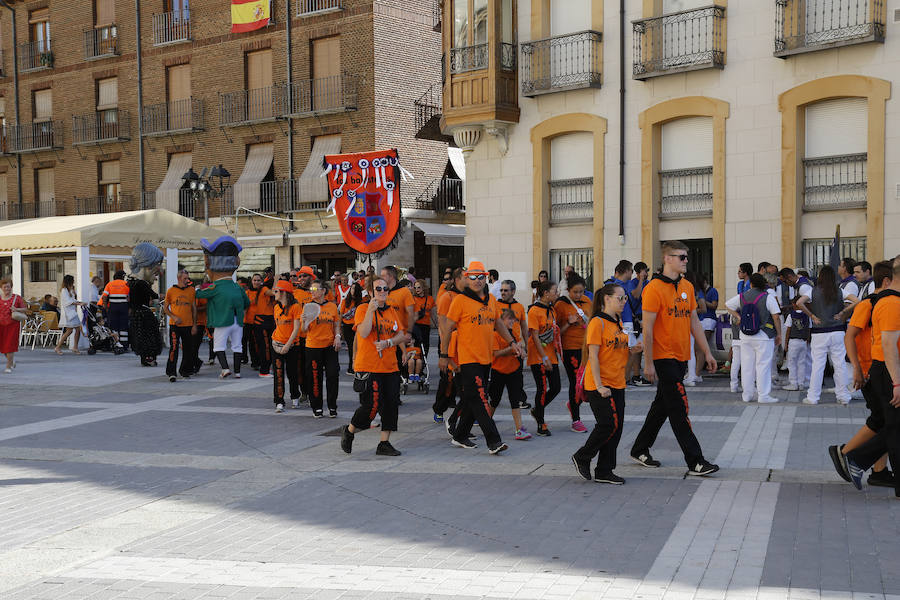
(508, 363)
(401, 299)
(261, 303)
(673, 307)
(573, 336)
(613, 356)
(425, 303)
(441, 291)
(320, 333)
(385, 325)
(475, 324)
(517, 308)
(541, 319)
(284, 322)
(302, 297)
(453, 348)
(201, 311)
(181, 302)
(346, 306)
(885, 317)
(443, 302)
(861, 318)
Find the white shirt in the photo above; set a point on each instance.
(734, 304)
(851, 288)
(562, 288)
(95, 294)
(866, 289)
(495, 289)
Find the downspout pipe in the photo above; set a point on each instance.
(140, 99)
(289, 62)
(621, 121)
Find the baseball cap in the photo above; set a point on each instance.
(476, 267)
(306, 271)
(284, 286)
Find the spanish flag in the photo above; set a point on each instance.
(247, 15)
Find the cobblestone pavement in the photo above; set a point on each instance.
(116, 484)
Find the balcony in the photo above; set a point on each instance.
(246, 107)
(13, 211)
(35, 137)
(468, 58)
(101, 42)
(277, 196)
(310, 97)
(428, 115)
(113, 125)
(564, 62)
(443, 195)
(171, 27)
(170, 118)
(311, 8)
(571, 200)
(148, 200)
(35, 56)
(683, 41)
(835, 182)
(99, 205)
(685, 193)
(810, 25)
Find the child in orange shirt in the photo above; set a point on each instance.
(506, 372)
(323, 340)
(542, 358)
(285, 351)
(415, 362)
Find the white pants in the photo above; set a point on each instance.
(798, 368)
(824, 347)
(756, 368)
(735, 363)
(233, 333)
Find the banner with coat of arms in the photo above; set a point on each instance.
(364, 191)
(248, 15)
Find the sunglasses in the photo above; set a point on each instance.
(681, 257)
(314, 289)
(379, 288)
(476, 277)
(620, 298)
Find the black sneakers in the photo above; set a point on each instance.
(883, 478)
(703, 468)
(646, 460)
(346, 439)
(332, 412)
(385, 449)
(608, 477)
(543, 430)
(835, 453)
(464, 444)
(583, 468)
(497, 448)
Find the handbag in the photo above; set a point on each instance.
(361, 381)
(16, 314)
(580, 394)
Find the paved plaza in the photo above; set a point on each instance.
(116, 484)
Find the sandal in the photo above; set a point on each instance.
(75, 352)
(58, 351)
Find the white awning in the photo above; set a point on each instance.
(258, 163)
(459, 163)
(168, 190)
(441, 234)
(313, 187)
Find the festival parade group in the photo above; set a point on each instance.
(637, 329)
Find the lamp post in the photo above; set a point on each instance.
(200, 186)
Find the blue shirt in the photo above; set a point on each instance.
(627, 315)
(636, 303)
(711, 295)
(743, 285)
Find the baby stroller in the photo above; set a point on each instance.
(102, 337)
(407, 378)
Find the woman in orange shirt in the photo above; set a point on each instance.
(604, 385)
(323, 340)
(286, 316)
(378, 330)
(351, 302)
(262, 304)
(423, 305)
(543, 336)
(572, 316)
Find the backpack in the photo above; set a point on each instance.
(751, 322)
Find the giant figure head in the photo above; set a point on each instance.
(222, 257)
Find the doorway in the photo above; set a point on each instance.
(700, 257)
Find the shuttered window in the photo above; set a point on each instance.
(3, 191)
(43, 105)
(109, 171)
(44, 182)
(104, 12)
(569, 16)
(259, 69)
(687, 143)
(179, 82)
(326, 54)
(107, 93)
(836, 127)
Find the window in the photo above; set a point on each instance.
(259, 85)
(104, 13)
(686, 167)
(817, 252)
(326, 71)
(835, 156)
(460, 23)
(44, 186)
(582, 260)
(180, 8)
(39, 25)
(43, 105)
(179, 96)
(108, 183)
(42, 270)
(572, 178)
(3, 145)
(107, 106)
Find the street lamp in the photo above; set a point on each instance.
(200, 186)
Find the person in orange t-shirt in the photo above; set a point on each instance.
(475, 315)
(285, 351)
(445, 397)
(323, 340)
(425, 314)
(543, 336)
(349, 305)
(262, 305)
(379, 329)
(198, 338)
(180, 305)
(506, 372)
(606, 344)
(572, 316)
(301, 293)
(670, 319)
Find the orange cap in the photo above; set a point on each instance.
(476, 268)
(284, 286)
(307, 271)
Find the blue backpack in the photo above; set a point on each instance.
(751, 321)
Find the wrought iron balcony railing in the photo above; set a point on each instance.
(34, 56)
(178, 116)
(685, 193)
(35, 137)
(564, 62)
(308, 97)
(443, 195)
(309, 8)
(809, 25)
(101, 42)
(148, 200)
(468, 58)
(571, 200)
(244, 107)
(834, 182)
(98, 205)
(13, 211)
(683, 41)
(171, 27)
(111, 125)
(436, 14)
(282, 196)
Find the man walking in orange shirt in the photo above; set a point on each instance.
(181, 307)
